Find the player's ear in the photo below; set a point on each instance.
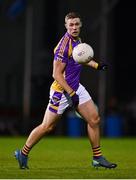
(66, 25)
(80, 24)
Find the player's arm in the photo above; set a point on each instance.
(92, 64)
(58, 70)
(96, 65)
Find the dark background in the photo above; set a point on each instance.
(29, 31)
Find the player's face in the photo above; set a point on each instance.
(73, 27)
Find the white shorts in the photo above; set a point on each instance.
(58, 102)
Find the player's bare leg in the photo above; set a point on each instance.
(49, 121)
(89, 112)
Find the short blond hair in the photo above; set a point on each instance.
(72, 15)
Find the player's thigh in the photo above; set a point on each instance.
(50, 118)
(88, 110)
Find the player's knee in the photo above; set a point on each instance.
(95, 121)
(45, 128)
(50, 128)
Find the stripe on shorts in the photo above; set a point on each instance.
(55, 101)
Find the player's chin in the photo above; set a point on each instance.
(75, 35)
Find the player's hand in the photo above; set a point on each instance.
(102, 66)
(73, 99)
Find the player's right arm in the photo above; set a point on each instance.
(58, 75)
(58, 71)
(61, 58)
(60, 62)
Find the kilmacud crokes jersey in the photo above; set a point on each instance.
(63, 53)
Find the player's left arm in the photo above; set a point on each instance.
(96, 65)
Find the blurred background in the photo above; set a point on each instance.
(29, 31)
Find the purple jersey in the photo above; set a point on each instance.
(63, 52)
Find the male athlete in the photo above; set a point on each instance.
(66, 91)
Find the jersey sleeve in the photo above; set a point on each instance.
(61, 51)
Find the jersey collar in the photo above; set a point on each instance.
(72, 37)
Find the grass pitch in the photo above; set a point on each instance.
(65, 158)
